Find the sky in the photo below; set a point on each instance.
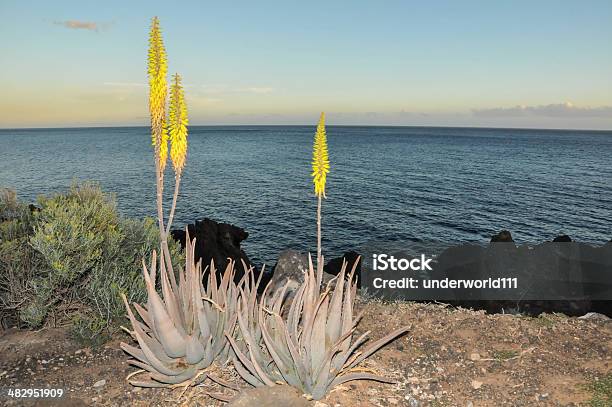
(535, 64)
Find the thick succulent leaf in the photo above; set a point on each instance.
(147, 345)
(187, 374)
(334, 321)
(171, 303)
(165, 330)
(194, 351)
(377, 345)
(318, 343)
(143, 314)
(358, 376)
(134, 352)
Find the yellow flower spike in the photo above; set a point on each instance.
(157, 69)
(320, 159)
(177, 125)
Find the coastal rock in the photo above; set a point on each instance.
(270, 396)
(562, 239)
(216, 241)
(334, 266)
(290, 267)
(503, 236)
(566, 277)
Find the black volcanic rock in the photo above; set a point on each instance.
(218, 242)
(334, 266)
(503, 236)
(562, 239)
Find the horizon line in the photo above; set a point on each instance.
(309, 125)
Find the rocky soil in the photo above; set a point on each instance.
(451, 357)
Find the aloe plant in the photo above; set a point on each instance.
(313, 347)
(182, 333)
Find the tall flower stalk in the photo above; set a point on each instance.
(157, 70)
(320, 169)
(177, 127)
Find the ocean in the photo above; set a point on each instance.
(386, 183)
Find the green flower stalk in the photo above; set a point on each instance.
(320, 169)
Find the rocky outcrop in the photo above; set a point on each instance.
(216, 241)
(562, 239)
(290, 267)
(561, 276)
(503, 236)
(334, 266)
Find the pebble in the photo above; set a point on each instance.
(474, 356)
(100, 383)
(476, 384)
(412, 402)
(543, 396)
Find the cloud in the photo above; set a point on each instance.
(82, 25)
(566, 109)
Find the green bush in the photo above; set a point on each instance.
(18, 261)
(71, 259)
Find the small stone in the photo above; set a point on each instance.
(474, 356)
(476, 384)
(392, 400)
(100, 383)
(469, 404)
(412, 402)
(136, 390)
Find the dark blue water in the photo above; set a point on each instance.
(386, 183)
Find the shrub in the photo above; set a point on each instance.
(18, 261)
(71, 260)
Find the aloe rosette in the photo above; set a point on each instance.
(182, 332)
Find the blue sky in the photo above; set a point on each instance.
(468, 63)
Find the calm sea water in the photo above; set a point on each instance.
(386, 183)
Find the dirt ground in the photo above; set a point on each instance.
(450, 357)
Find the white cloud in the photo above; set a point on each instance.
(566, 109)
(83, 25)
